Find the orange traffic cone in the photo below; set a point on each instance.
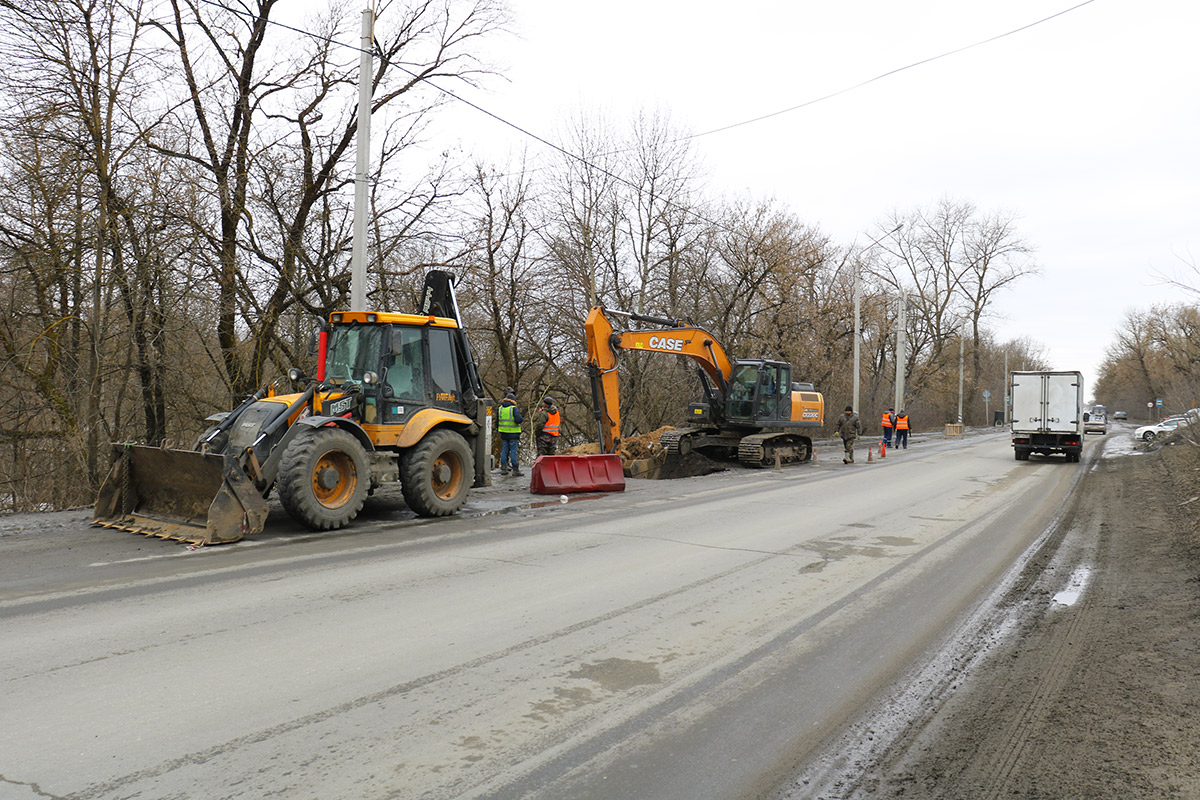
(883, 449)
(870, 455)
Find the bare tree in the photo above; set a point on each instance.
(235, 87)
(950, 262)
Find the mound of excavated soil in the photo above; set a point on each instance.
(643, 457)
(631, 448)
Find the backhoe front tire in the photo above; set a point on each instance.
(323, 478)
(436, 474)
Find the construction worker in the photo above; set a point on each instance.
(546, 424)
(902, 429)
(888, 423)
(849, 428)
(508, 423)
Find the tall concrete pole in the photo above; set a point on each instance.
(960, 376)
(358, 252)
(857, 329)
(901, 349)
(1007, 386)
(858, 313)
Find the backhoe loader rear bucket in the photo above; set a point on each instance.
(577, 473)
(179, 494)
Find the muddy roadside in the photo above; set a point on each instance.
(1093, 689)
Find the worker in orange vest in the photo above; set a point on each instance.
(888, 423)
(902, 429)
(546, 425)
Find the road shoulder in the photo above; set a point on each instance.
(1096, 696)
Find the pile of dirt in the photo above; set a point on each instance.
(643, 457)
(631, 448)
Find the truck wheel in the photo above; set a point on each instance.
(436, 474)
(323, 478)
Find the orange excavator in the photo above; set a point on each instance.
(750, 411)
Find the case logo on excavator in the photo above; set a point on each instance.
(663, 343)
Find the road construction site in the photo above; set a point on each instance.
(945, 622)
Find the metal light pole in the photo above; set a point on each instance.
(858, 312)
(358, 252)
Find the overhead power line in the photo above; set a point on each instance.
(555, 147)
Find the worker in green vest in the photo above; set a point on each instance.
(508, 423)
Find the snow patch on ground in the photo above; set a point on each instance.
(1117, 446)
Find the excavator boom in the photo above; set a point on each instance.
(674, 338)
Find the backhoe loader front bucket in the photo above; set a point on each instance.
(184, 495)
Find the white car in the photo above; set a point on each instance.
(1148, 432)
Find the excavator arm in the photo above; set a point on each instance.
(673, 337)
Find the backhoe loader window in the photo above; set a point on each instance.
(353, 350)
(443, 368)
(406, 364)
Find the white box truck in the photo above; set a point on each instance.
(1047, 413)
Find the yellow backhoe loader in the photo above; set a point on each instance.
(397, 397)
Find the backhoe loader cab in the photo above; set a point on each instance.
(396, 398)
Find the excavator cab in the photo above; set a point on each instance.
(759, 393)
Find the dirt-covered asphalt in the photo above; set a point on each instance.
(1093, 688)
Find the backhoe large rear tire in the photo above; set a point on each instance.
(323, 478)
(436, 474)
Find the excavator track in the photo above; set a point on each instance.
(678, 442)
(759, 450)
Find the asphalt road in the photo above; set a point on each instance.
(698, 638)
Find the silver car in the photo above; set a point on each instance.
(1148, 432)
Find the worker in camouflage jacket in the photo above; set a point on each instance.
(849, 428)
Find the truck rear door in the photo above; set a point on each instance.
(1061, 402)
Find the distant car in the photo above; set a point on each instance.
(1148, 432)
(1120, 415)
(1095, 423)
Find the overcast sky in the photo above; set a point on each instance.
(1085, 127)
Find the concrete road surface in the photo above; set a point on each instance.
(687, 639)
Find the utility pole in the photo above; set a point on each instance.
(858, 313)
(358, 252)
(960, 375)
(857, 330)
(901, 349)
(1007, 390)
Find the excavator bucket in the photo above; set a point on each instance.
(184, 495)
(572, 473)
